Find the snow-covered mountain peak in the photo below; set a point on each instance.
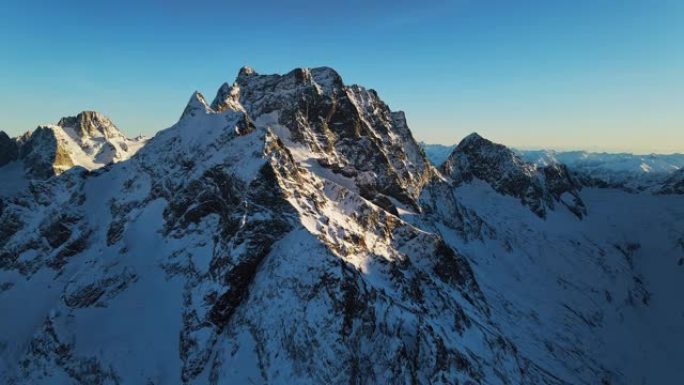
(196, 104)
(89, 140)
(474, 139)
(540, 188)
(90, 124)
(474, 151)
(347, 130)
(324, 79)
(280, 240)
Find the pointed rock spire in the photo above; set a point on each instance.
(196, 104)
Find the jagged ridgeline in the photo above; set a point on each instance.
(293, 231)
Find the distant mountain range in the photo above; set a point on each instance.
(292, 231)
(621, 170)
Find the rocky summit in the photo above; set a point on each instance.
(293, 231)
(89, 140)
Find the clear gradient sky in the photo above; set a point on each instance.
(594, 74)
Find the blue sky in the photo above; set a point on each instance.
(599, 75)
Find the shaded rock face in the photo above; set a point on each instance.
(541, 189)
(9, 150)
(42, 155)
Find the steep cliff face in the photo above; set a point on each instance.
(541, 189)
(91, 124)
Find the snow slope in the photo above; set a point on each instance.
(597, 298)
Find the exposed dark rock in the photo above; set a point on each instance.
(41, 152)
(48, 348)
(11, 223)
(58, 229)
(98, 292)
(9, 151)
(69, 249)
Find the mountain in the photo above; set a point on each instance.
(243, 243)
(89, 140)
(292, 231)
(539, 188)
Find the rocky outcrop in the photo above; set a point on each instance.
(43, 155)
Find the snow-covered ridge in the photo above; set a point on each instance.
(617, 162)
